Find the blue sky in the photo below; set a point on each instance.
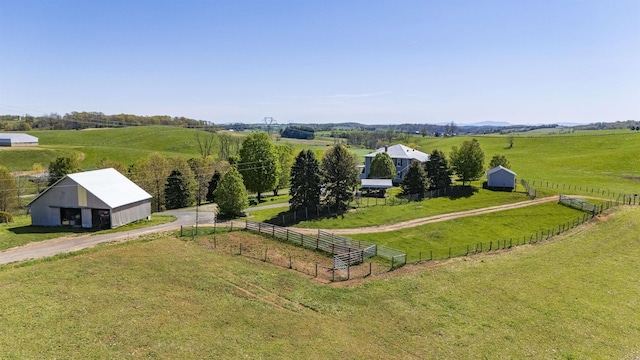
(375, 62)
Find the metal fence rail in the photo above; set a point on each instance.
(579, 204)
(346, 251)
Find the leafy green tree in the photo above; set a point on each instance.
(467, 161)
(415, 182)
(231, 195)
(305, 181)
(284, 154)
(176, 192)
(437, 170)
(150, 173)
(258, 163)
(213, 184)
(8, 191)
(499, 159)
(60, 167)
(382, 167)
(340, 176)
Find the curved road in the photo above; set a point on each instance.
(206, 216)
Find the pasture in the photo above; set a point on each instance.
(570, 298)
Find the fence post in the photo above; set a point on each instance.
(348, 271)
(431, 255)
(392, 258)
(215, 242)
(231, 225)
(490, 245)
(420, 257)
(316, 270)
(180, 230)
(290, 267)
(265, 254)
(240, 248)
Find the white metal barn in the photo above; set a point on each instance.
(501, 177)
(17, 139)
(92, 199)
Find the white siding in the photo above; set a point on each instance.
(501, 179)
(129, 213)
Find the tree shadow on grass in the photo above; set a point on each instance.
(462, 192)
(30, 229)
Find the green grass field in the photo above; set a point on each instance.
(457, 234)
(574, 297)
(390, 214)
(605, 160)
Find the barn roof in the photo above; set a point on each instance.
(400, 151)
(19, 137)
(108, 185)
(499, 168)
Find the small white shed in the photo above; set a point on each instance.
(92, 199)
(500, 177)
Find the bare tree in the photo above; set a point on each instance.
(205, 143)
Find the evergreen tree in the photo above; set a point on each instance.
(468, 160)
(382, 167)
(176, 191)
(231, 195)
(258, 163)
(499, 159)
(305, 181)
(213, 184)
(437, 170)
(415, 182)
(340, 176)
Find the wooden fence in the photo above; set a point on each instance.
(346, 251)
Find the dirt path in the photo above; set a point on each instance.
(430, 219)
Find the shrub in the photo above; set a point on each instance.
(5, 217)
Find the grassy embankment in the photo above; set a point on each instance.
(20, 231)
(575, 297)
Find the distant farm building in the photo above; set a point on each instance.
(99, 199)
(501, 178)
(402, 157)
(17, 139)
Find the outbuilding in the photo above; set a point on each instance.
(501, 178)
(99, 199)
(17, 139)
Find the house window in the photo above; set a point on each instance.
(398, 162)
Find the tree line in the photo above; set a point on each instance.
(85, 120)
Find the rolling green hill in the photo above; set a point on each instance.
(574, 297)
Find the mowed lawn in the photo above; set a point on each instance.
(574, 297)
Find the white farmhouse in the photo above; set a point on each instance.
(501, 178)
(100, 199)
(402, 157)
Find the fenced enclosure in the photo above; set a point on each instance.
(346, 251)
(348, 259)
(503, 244)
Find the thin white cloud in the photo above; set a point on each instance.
(359, 95)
